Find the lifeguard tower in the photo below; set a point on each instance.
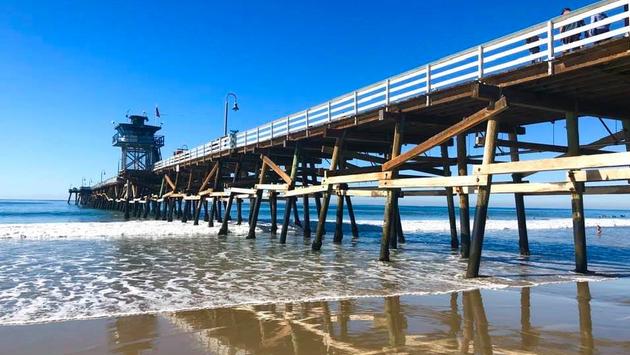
(139, 144)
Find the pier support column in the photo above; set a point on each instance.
(213, 210)
(338, 238)
(464, 205)
(449, 199)
(198, 207)
(127, 196)
(483, 197)
(353, 222)
(577, 199)
(392, 195)
(290, 201)
(171, 209)
(228, 206)
(273, 211)
(306, 229)
(147, 208)
(519, 202)
(256, 208)
(296, 213)
(323, 212)
(185, 210)
(239, 211)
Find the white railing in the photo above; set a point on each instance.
(542, 42)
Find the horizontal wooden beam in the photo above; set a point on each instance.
(565, 163)
(442, 181)
(274, 187)
(456, 129)
(599, 175)
(300, 191)
(348, 179)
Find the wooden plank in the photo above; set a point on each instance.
(284, 176)
(599, 175)
(458, 128)
(275, 187)
(363, 192)
(220, 194)
(306, 190)
(566, 163)
(531, 187)
(240, 190)
(204, 192)
(347, 179)
(440, 181)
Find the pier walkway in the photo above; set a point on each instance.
(373, 142)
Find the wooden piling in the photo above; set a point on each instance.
(185, 211)
(353, 222)
(290, 201)
(254, 211)
(306, 229)
(519, 202)
(338, 237)
(483, 197)
(392, 194)
(224, 226)
(464, 205)
(197, 211)
(577, 199)
(449, 199)
(239, 211)
(213, 208)
(273, 211)
(127, 196)
(319, 232)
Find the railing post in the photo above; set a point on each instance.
(626, 22)
(550, 46)
(387, 92)
(480, 62)
(271, 129)
(306, 116)
(288, 125)
(356, 103)
(257, 134)
(329, 112)
(550, 51)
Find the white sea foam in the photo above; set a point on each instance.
(439, 225)
(162, 229)
(100, 230)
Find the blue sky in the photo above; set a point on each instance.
(69, 68)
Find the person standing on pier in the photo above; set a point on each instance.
(569, 27)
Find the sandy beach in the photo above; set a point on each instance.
(574, 317)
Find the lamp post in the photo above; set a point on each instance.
(235, 108)
(102, 174)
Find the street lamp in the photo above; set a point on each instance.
(102, 174)
(235, 108)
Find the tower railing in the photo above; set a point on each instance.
(540, 43)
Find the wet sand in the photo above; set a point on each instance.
(582, 317)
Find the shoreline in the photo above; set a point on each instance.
(487, 287)
(433, 323)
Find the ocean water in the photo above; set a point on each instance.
(60, 261)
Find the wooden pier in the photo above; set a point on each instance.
(375, 142)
